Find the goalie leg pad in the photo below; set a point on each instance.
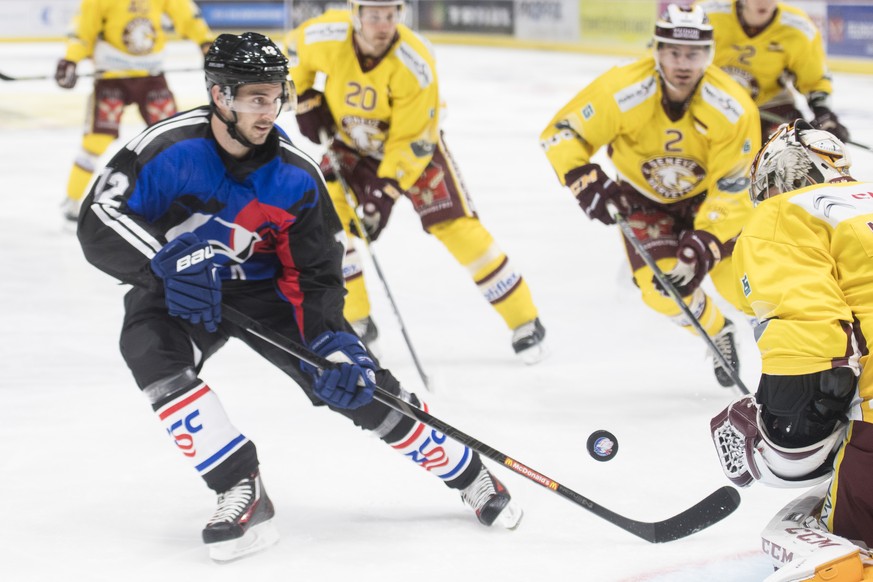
(803, 551)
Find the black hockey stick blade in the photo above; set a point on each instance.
(710, 510)
(713, 508)
(703, 514)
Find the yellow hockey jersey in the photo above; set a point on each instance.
(709, 149)
(790, 44)
(805, 263)
(390, 112)
(125, 38)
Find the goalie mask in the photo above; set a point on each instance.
(797, 155)
(355, 7)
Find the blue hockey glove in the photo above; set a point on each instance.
(352, 382)
(191, 284)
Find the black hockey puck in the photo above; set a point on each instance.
(602, 445)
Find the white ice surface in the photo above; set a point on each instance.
(93, 490)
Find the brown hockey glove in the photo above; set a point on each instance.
(313, 115)
(376, 195)
(593, 189)
(65, 75)
(698, 252)
(824, 118)
(827, 120)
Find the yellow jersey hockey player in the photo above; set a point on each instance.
(126, 41)
(681, 135)
(371, 83)
(804, 264)
(765, 44)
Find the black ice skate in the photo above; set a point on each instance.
(368, 332)
(491, 501)
(241, 523)
(724, 340)
(527, 341)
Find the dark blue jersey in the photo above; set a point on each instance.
(267, 217)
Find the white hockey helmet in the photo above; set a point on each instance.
(356, 5)
(683, 25)
(795, 156)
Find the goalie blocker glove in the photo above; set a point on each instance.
(593, 189)
(192, 288)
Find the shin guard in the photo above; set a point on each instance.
(437, 453)
(197, 423)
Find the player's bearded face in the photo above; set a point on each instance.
(683, 65)
(378, 26)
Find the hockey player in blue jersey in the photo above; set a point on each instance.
(216, 206)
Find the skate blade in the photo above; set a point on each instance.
(533, 355)
(511, 516)
(256, 539)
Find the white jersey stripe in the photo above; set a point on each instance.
(194, 117)
(129, 230)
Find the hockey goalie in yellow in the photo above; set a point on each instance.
(681, 135)
(804, 264)
(368, 84)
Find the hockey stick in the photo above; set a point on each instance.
(712, 509)
(335, 166)
(5, 77)
(671, 290)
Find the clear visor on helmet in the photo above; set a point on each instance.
(260, 98)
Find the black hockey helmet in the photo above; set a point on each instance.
(235, 60)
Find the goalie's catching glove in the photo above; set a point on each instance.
(192, 287)
(352, 382)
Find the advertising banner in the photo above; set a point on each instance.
(37, 18)
(850, 30)
(629, 23)
(467, 16)
(547, 20)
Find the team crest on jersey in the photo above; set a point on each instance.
(588, 112)
(673, 177)
(139, 36)
(368, 135)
